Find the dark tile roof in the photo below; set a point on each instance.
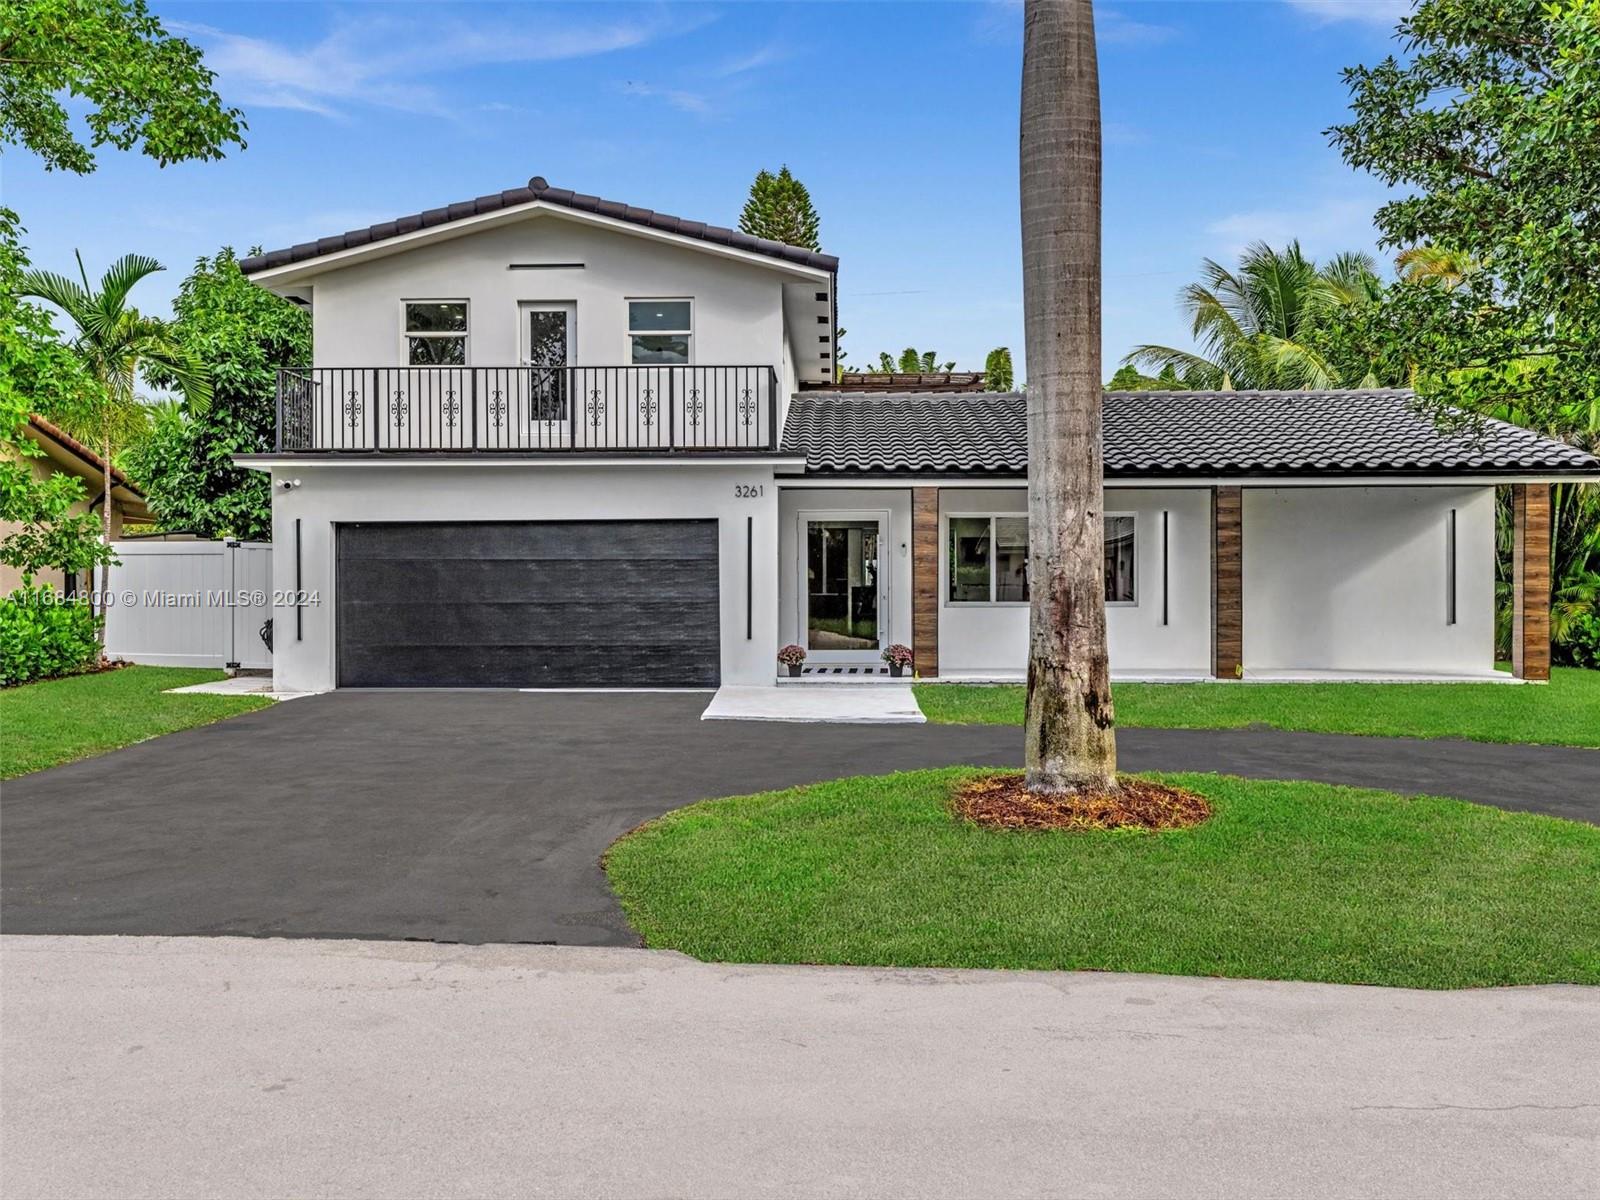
(1160, 434)
(537, 189)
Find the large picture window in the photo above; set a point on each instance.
(436, 333)
(660, 332)
(989, 559)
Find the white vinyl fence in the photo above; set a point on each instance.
(190, 604)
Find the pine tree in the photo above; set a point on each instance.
(779, 209)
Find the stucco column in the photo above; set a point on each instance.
(1530, 580)
(1227, 582)
(925, 580)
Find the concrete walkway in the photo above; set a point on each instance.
(822, 703)
(220, 1067)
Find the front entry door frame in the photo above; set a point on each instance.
(549, 430)
(804, 520)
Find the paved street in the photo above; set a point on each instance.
(482, 816)
(206, 1067)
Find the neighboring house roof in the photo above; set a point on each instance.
(66, 441)
(1160, 434)
(66, 453)
(537, 190)
(900, 381)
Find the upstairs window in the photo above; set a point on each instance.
(989, 559)
(660, 332)
(436, 333)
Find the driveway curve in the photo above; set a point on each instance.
(481, 816)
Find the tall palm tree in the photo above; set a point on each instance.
(115, 341)
(1070, 743)
(1254, 326)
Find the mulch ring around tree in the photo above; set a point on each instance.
(1000, 801)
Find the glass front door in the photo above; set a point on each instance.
(842, 589)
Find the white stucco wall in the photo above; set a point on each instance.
(483, 491)
(738, 306)
(1355, 579)
(992, 639)
(799, 504)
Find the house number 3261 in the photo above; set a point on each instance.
(749, 491)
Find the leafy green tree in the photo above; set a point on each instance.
(1272, 323)
(115, 342)
(1490, 126)
(243, 334)
(142, 86)
(912, 362)
(1129, 379)
(998, 375)
(779, 209)
(37, 374)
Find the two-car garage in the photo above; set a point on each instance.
(506, 604)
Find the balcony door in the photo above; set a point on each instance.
(843, 587)
(548, 341)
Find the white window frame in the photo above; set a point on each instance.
(465, 335)
(629, 332)
(991, 516)
(1134, 517)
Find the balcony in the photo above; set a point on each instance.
(527, 410)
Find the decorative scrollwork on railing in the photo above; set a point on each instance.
(352, 408)
(694, 407)
(399, 407)
(746, 407)
(648, 407)
(497, 407)
(451, 408)
(595, 407)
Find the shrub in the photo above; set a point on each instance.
(1580, 647)
(792, 655)
(43, 635)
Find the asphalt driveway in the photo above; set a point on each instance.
(481, 816)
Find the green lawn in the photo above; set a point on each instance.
(1286, 881)
(1566, 711)
(43, 724)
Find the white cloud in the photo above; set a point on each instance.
(386, 61)
(1001, 21)
(1324, 225)
(754, 60)
(678, 98)
(1112, 27)
(1367, 12)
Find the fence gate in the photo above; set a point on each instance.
(190, 604)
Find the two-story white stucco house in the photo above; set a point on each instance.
(550, 440)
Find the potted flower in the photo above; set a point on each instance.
(792, 656)
(898, 657)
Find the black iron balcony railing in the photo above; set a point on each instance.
(634, 409)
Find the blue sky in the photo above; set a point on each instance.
(900, 117)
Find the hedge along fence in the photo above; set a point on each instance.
(44, 634)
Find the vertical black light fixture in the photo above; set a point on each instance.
(1450, 569)
(1165, 613)
(299, 592)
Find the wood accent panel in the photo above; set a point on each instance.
(925, 580)
(1530, 580)
(1227, 582)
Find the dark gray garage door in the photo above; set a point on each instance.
(528, 604)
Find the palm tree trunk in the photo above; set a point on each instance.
(1070, 743)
